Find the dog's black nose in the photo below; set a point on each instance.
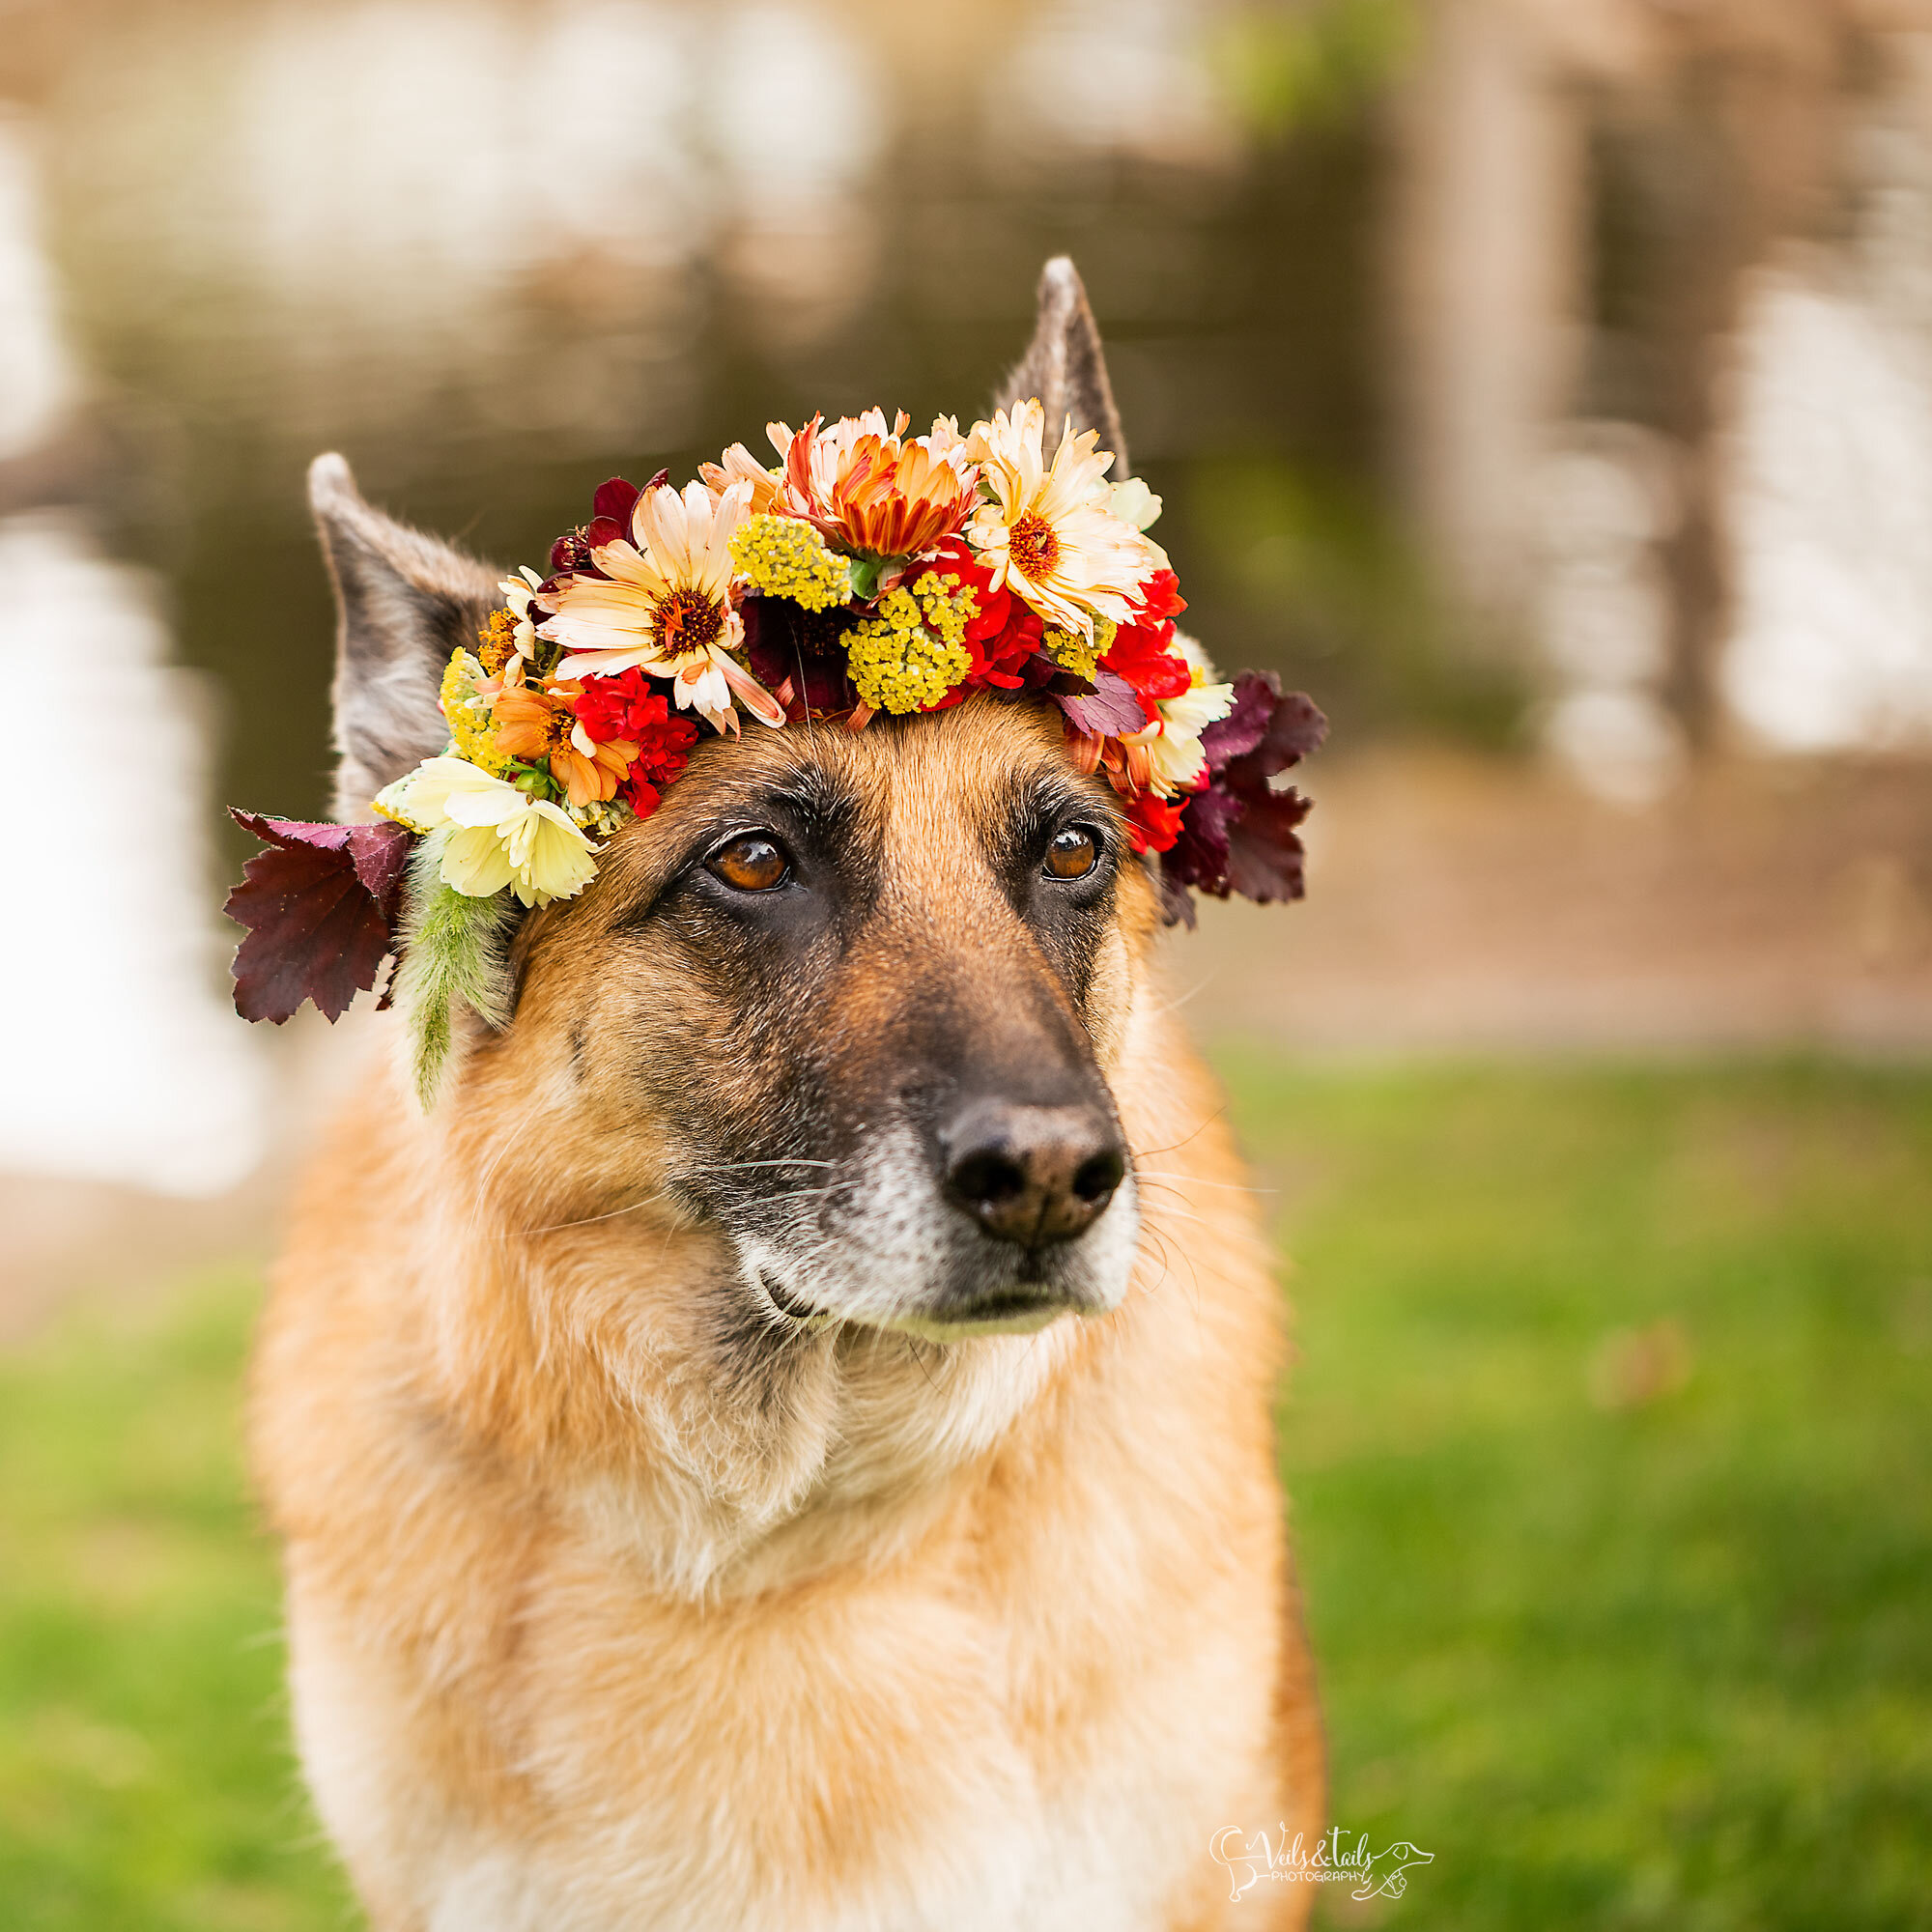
(1032, 1175)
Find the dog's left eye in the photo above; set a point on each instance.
(753, 864)
(1073, 853)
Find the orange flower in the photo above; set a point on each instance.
(536, 722)
(864, 489)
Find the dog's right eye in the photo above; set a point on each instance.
(753, 864)
(1073, 853)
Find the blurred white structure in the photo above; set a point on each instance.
(1830, 465)
(123, 1061)
(1794, 581)
(1605, 504)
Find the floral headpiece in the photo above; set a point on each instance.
(867, 570)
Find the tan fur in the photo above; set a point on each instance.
(987, 1633)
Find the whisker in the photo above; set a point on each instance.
(745, 1166)
(1186, 1138)
(1197, 1180)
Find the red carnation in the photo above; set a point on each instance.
(1004, 634)
(1140, 653)
(627, 707)
(1154, 824)
(1161, 600)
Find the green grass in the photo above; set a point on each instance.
(146, 1781)
(1610, 1445)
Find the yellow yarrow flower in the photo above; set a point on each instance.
(473, 729)
(1080, 654)
(898, 661)
(946, 605)
(785, 557)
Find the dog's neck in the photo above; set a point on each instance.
(620, 1366)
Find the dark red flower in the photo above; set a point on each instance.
(610, 519)
(787, 646)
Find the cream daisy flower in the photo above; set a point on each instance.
(664, 605)
(1050, 532)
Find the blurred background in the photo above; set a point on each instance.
(1545, 385)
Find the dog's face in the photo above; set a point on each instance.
(848, 996)
(847, 1001)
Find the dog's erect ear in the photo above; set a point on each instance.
(405, 602)
(1064, 365)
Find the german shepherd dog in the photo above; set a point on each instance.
(671, 1544)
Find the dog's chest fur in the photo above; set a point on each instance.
(1023, 1685)
(870, 1766)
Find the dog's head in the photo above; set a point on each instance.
(849, 1001)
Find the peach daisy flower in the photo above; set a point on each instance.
(1049, 533)
(663, 604)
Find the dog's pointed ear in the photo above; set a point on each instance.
(1064, 366)
(404, 603)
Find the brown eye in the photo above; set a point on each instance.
(752, 865)
(1073, 853)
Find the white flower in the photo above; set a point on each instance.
(516, 597)
(1049, 533)
(420, 798)
(550, 857)
(1196, 654)
(703, 687)
(504, 836)
(475, 864)
(1195, 709)
(1176, 761)
(1133, 502)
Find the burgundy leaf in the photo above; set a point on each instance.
(1198, 857)
(1256, 695)
(382, 855)
(1295, 728)
(1177, 902)
(318, 905)
(1264, 854)
(1109, 710)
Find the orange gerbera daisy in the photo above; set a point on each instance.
(874, 491)
(537, 722)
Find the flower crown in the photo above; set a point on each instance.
(866, 572)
